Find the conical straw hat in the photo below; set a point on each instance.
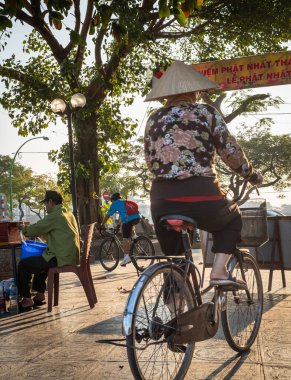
(179, 78)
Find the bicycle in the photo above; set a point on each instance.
(110, 248)
(165, 314)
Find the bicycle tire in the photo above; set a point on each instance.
(241, 317)
(151, 311)
(109, 254)
(142, 246)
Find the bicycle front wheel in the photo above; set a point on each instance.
(109, 254)
(149, 354)
(142, 246)
(242, 316)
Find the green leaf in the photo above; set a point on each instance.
(164, 12)
(105, 14)
(199, 3)
(75, 37)
(56, 15)
(179, 16)
(5, 23)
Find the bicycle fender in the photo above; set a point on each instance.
(131, 302)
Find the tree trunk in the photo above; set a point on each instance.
(87, 170)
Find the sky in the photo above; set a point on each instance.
(34, 153)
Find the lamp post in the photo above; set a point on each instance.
(60, 107)
(11, 169)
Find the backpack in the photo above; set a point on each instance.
(131, 207)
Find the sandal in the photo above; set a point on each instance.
(24, 309)
(229, 281)
(38, 301)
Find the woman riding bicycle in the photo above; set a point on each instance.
(181, 140)
(128, 223)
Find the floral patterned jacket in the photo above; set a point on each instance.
(181, 141)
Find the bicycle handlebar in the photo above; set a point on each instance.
(113, 230)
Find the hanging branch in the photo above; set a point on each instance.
(244, 106)
(27, 80)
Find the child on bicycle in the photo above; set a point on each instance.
(181, 141)
(128, 223)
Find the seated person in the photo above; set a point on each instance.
(61, 230)
(128, 222)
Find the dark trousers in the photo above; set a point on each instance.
(37, 266)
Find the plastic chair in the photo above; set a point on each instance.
(82, 271)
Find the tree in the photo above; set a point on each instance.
(131, 176)
(105, 51)
(268, 153)
(28, 188)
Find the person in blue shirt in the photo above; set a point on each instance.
(128, 223)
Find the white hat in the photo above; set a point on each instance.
(179, 78)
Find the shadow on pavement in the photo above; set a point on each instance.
(111, 326)
(224, 372)
(13, 324)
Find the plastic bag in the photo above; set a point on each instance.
(32, 248)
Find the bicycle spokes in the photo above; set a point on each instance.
(242, 316)
(150, 350)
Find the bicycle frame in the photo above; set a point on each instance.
(113, 235)
(190, 269)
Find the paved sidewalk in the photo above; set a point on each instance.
(62, 344)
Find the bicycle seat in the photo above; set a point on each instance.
(178, 222)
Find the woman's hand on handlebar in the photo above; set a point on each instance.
(256, 179)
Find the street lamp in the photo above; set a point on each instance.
(11, 168)
(59, 106)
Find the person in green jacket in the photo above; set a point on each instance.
(63, 248)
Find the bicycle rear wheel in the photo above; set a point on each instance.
(242, 316)
(109, 254)
(149, 354)
(142, 246)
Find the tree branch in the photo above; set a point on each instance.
(176, 35)
(147, 4)
(96, 90)
(25, 79)
(77, 13)
(98, 44)
(157, 27)
(86, 25)
(28, 7)
(244, 106)
(206, 99)
(40, 26)
(218, 101)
